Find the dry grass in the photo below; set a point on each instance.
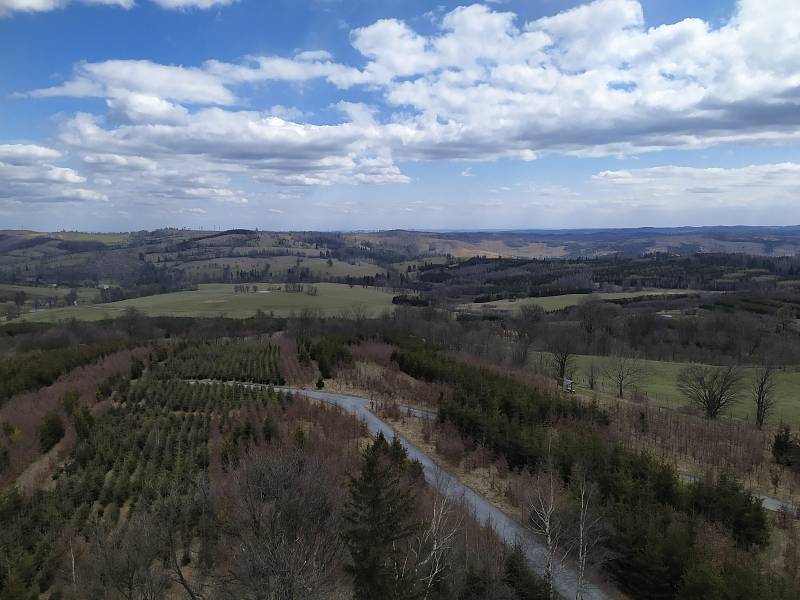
(291, 369)
(387, 384)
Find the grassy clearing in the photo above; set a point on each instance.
(108, 238)
(219, 299)
(660, 384)
(84, 294)
(554, 303)
(430, 260)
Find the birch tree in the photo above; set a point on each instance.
(588, 527)
(547, 502)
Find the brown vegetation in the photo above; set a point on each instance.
(21, 416)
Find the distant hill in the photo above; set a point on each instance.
(572, 243)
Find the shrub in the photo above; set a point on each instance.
(50, 432)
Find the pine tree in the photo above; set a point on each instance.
(378, 521)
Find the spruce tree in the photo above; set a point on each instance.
(378, 520)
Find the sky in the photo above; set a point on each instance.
(119, 115)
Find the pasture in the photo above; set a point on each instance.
(219, 299)
(560, 302)
(660, 379)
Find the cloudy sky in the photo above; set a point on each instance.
(356, 114)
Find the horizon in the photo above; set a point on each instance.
(523, 230)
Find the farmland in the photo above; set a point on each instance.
(562, 301)
(220, 299)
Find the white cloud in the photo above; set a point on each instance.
(22, 154)
(588, 81)
(28, 175)
(142, 81)
(676, 188)
(8, 7)
(186, 4)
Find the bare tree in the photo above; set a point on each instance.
(168, 511)
(712, 389)
(588, 527)
(125, 561)
(562, 347)
(437, 538)
(592, 373)
(762, 392)
(281, 529)
(623, 372)
(546, 503)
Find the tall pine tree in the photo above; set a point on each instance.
(378, 522)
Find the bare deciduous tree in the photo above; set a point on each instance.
(623, 372)
(125, 560)
(712, 389)
(437, 538)
(763, 393)
(588, 528)
(547, 501)
(168, 511)
(592, 373)
(281, 530)
(562, 348)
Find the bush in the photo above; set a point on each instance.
(50, 432)
(786, 448)
(5, 461)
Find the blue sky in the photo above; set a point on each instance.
(129, 114)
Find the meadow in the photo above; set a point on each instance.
(219, 299)
(562, 301)
(660, 384)
(85, 294)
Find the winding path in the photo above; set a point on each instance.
(507, 528)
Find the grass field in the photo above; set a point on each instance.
(40, 294)
(219, 299)
(430, 260)
(553, 303)
(84, 294)
(660, 384)
(108, 238)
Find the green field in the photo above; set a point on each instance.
(660, 385)
(41, 294)
(107, 238)
(84, 294)
(553, 303)
(430, 260)
(219, 299)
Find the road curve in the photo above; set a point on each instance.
(507, 528)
